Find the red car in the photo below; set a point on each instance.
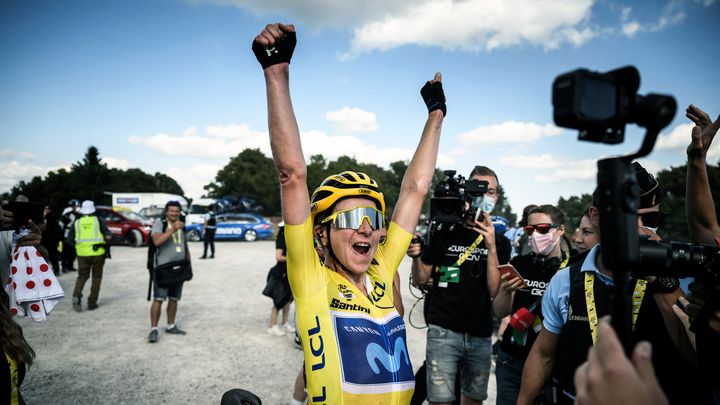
(126, 226)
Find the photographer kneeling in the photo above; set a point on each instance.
(461, 263)
(568, 331)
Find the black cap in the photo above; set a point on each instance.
(650, 192)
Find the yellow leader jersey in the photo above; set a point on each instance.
(355, 346)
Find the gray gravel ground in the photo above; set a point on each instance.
(103, 357)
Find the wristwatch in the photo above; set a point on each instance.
(663, 285)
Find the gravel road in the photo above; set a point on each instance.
(103, 357)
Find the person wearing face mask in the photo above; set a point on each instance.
(521, 297)
(585, 287)
(460, 265)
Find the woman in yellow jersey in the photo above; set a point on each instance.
(353, 337)
(17, 355)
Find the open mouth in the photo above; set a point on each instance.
(361, 248)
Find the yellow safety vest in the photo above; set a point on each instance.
(87, 234)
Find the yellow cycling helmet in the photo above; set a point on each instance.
(344, 185)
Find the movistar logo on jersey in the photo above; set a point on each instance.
(376, 355)
(336, 304)
(373, 353)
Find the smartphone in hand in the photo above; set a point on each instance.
(510, 269)
(24, 212)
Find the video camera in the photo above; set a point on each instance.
(679, 259)
(448, 202)
(447, 205)
(601, 104)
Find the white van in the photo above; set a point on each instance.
(198, 209)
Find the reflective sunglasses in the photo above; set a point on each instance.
(653, 219)
(354, 217)
(540, 228)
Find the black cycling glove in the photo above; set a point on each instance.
(280, 52)
(434, 97)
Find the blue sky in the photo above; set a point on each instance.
(172, 86)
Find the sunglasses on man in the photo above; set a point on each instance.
(542, 229)
(354, 217)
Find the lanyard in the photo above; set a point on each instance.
(467, 252)
(637, 298)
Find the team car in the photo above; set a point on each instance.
(126, 227)
(235, 226)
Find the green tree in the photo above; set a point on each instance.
(90, 179)
(503, 208)
(672, 183)
(250, 174)
(573, 207)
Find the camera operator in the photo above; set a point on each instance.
(580, 294)
(521, 296)
(461, 264)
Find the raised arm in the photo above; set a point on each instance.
(273, 48)
(419, 173)
(702, 219)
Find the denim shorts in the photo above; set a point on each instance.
(448, 350)
(508, 372)
(162, 294)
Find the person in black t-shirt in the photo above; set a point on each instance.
(521, 297)
(461, 265)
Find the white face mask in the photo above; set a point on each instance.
(654, 230)
(484, 203)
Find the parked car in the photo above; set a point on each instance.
(153, 212)
(233, 226)
(126, 227)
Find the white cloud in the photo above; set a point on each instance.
(508, 132)
(544, 161)
(650, 165)
(569, 170)
(475, 25)
(678, 139)
(14, 172)
(352, 120)
(222, 142)
(116, 163)
(218, 141)
(631, 28)
(625, 13)
(317, 13)
(192, 179)
(332, 147)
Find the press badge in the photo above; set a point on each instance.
(178, 249)
(448, 274)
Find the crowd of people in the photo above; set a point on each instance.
(552, 302)
(338, 256)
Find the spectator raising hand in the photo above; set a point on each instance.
(702, 222)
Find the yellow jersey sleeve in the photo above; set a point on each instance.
(306, 274)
